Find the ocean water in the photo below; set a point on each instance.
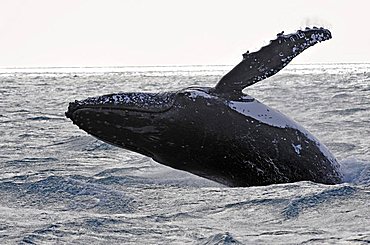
(59, 185)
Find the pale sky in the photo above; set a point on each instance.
(36, 33)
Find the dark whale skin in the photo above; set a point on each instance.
(217, 133)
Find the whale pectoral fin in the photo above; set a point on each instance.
(270, 59)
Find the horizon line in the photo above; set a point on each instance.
(184, 65)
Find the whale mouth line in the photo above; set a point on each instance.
(111, 108)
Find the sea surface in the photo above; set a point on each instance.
(59, 185)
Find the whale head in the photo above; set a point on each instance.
(147, 123)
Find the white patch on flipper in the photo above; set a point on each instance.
(253, 108)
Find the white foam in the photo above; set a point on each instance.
(356, 171)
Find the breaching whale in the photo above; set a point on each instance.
(218, 132)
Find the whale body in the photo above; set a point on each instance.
(218, 133)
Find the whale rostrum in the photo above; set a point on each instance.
(218, 133)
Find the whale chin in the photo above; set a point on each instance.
(122, 119)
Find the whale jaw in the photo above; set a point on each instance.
(124, 120)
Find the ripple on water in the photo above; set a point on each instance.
(32, 160)
(219, 239)
(42, 118)
(67, 193)
(297, 205)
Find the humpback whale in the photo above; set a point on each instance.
(219, 133)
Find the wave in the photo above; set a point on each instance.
(297, 205)
(347, 112)
(32, 160)
(66, 193)
(162, 175)
(218, 239)
(356, 171)
(82, 143)
(44, 118)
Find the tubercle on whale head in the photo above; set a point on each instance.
(133, 101)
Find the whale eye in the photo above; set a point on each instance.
(183, 93)
(194, 93)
